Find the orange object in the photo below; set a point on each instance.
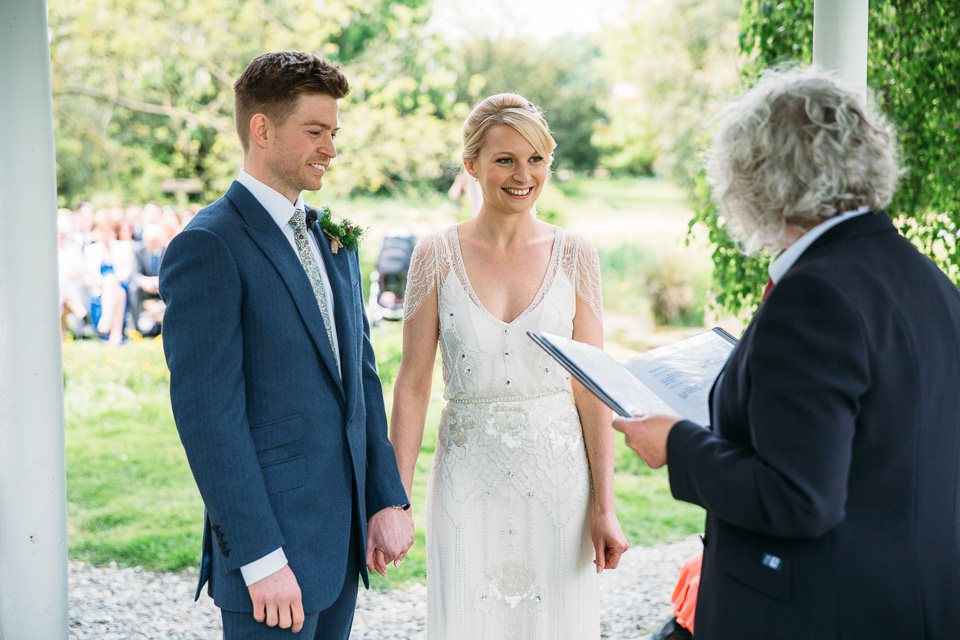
(685, 593)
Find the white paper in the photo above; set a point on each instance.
(683, 372)
(676, 377)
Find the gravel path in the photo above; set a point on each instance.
(133, 604)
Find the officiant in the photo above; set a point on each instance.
(829, 472)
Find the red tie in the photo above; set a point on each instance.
(766, 290)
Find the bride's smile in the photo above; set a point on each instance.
(510, 171)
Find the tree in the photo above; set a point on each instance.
(671, 63)
(911, 72)
(559, 76)
(143, 90)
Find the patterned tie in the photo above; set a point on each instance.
(313, 272)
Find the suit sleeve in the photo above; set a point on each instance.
(383, 485)
(798, 389)
(203, 346)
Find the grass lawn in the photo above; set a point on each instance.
(132, 499)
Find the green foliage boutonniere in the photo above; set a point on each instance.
(341, 234)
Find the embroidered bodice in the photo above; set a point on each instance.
(485, 358)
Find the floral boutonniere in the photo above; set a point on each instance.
(341, 234)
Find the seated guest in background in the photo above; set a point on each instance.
(169, 222)
(186, 215)
(125, 231)
(829, 472)
(83, 215)
(133, 214)
(74, 314)
(108, 269)
(147, 305)
(151, 214)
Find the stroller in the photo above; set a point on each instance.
(389, 280)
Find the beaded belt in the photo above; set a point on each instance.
(545, 394)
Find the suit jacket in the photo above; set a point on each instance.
(831, 475)
(286, 452)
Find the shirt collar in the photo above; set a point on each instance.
(272, 200)
(782, 263)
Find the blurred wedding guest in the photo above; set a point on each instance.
(134, 216)
(169, 221)
(829, 472)
(125, 231)
(83, 224)
(186, 215)
(151, 213)
(73, 291)
(109, 266)
(147, 304)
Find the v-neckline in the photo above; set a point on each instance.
(468, 286)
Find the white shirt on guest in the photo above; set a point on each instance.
(280, 209)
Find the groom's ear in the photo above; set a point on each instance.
(259, 127)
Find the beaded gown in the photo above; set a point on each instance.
(509, 554)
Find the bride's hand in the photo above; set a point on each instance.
(608, 539)
(409, 513)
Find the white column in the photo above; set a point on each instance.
(33, 527)
(840, 39)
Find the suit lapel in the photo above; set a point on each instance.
(267, 235)
(338, 273)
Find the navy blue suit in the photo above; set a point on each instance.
(831, 477)
(285, 452)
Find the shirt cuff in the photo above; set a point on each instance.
(265, 566)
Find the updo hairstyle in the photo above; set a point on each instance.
(514, 111)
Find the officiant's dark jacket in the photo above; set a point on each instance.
(831, 477)
(286, 452)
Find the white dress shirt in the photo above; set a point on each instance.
(280, 209)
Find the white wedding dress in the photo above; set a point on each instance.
(509, 554)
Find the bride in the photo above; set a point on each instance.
(520, 510)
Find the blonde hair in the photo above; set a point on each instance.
(796, 149)
(514, 111)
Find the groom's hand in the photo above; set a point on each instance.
(277, 601)
(389, 536)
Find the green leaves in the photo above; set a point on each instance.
(344, 232)
(671, 64)
(559, 76)
(143, 90)
(910, 55)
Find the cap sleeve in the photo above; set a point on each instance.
(587, 280)
(422, 276)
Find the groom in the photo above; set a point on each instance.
(273, 380)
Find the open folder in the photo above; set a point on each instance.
(677, 376)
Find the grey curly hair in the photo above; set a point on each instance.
(794, 150)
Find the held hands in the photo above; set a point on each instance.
(277, 601)
(647, 436)
(608, 539)
(389, 536)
